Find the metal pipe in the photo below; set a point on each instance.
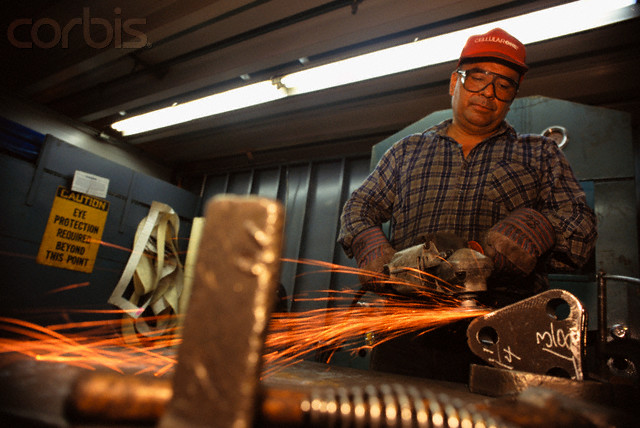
(623, 278)
(602, 313)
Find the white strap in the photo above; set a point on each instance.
(155, 270)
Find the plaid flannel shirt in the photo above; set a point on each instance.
(424, 184)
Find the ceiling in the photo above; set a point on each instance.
(168, 51)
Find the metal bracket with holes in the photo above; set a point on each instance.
(544, 334)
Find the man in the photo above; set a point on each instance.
(473, 176)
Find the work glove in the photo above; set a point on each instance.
(372, 251)
(516, 242)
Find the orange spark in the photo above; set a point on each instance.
(108, 244)
(69, 287)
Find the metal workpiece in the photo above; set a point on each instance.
(544, 334)
(219, 361)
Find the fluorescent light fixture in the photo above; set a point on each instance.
(233, 99)
(533, 27)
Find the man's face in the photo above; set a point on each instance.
(479, 113)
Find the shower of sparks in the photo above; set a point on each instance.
(344, 320)
(331, 328)
(91, 345)
(347, 320)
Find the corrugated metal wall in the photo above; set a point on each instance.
(313, 194)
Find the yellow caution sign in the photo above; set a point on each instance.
(74, 231)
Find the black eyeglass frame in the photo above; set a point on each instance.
(463, 78)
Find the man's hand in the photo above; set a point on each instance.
(516, 242)
(372, 251)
